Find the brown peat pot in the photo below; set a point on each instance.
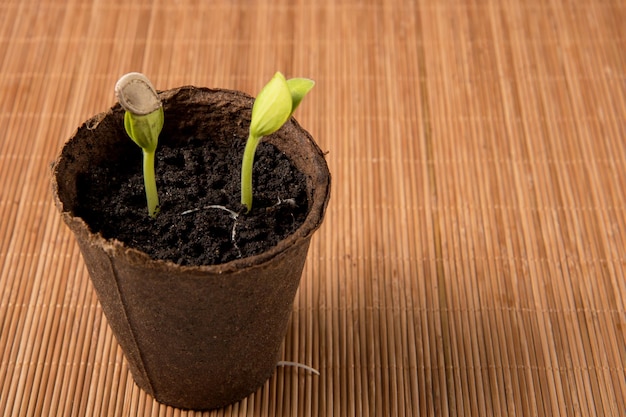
(196, 337)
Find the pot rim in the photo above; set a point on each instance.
(320, 185)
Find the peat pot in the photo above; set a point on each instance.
(195, 337)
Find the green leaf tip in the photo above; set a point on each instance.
(144, 130)
(276, 102)
(299, 87)
(271, 108)
(274, 105)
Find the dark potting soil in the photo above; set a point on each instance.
(192, 181)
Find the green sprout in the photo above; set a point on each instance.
(143, 121)
(272, 108)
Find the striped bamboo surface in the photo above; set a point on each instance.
(473, 258)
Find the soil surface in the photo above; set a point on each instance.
(192, 180)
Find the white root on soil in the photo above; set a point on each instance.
(298, 365)
(234, 215)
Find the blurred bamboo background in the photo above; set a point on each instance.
(472, 262)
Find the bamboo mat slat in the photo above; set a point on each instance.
(473, 258)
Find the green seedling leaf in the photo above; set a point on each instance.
(144, 130)
(273, 106)
(143, 122)
(299, 87)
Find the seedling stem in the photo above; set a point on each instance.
(143, 121)
(272, 108)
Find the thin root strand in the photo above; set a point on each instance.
(298, 365)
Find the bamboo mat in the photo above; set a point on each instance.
(473, 259)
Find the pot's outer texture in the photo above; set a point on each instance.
(194, 337)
